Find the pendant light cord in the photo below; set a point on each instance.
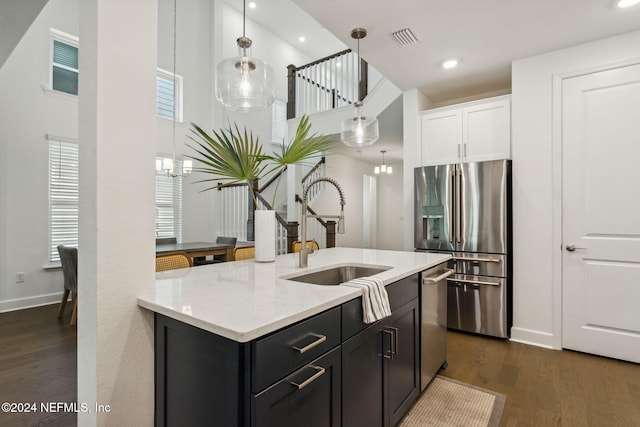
(244, 16)
(359, 75)
(175, 95)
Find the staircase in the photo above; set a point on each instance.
(319, 90)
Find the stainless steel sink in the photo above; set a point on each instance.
(338, 274)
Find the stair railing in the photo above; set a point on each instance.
(237, 212)
(317, 171)
(327, 83)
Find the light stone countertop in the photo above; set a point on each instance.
(244, 300)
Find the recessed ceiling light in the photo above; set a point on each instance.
(626, 3)
(450, 63)
(252, 4)
(301, 39)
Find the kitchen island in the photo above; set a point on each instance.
(234, 341)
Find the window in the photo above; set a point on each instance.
(64, 63)
(279, 128)
(63, 199)
(165, 107)
(63, 195)
(169, 204)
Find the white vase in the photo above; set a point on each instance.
(265, 235)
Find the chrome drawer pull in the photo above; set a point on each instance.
(393, 340)
(444, 275)
(320, 340)
(495, 260)
(320, 371)
(388, 354)
(474, 282)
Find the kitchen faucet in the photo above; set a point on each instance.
(304, 251)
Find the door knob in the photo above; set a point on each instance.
(572, 248)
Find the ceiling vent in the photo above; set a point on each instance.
(406, 37)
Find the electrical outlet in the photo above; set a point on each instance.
(20, 277)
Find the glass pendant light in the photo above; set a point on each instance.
(359, 131)
(243, 83)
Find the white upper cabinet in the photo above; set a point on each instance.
(469, 132)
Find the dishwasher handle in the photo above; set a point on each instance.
(431, 280)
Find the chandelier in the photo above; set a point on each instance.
(383, 168)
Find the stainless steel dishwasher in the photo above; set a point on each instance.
(433, 328)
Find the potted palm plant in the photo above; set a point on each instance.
(231, 156)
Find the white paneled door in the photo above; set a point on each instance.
(601, 213)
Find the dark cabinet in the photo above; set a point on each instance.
(362, 369)
(402, 373)
(328, 370)
(309, 397)
(381, 371)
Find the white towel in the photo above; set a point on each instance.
(375, 300)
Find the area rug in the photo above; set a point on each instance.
(447, 402)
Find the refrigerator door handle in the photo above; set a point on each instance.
(433, 280)
(459, 205)
(452, 207)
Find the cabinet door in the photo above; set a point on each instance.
(486, 131)
(402, 370)
(441, 137)
(309, 397)
(362, 366)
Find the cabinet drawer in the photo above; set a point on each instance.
(400, 293)
(310, 396)
(279, 354)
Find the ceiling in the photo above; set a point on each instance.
(15, 17)
(487, 35)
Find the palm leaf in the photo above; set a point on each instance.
(230, 155)
(302, 147)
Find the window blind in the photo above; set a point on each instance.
(169, 205)
(164, 101)
(64, 68)
(63, 196)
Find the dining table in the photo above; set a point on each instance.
(198, 249)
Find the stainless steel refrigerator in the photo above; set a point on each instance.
(465, 209)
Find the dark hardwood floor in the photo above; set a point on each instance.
(547, 387)
(37, 364)
(543, 387)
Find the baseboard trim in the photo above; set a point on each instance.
(532, 337)
(30, 302)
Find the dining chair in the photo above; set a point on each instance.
(226, 240)
(231, 241)
(295, 247)
(166, 241)
(244, 252)
(69, 261)
(173, 261)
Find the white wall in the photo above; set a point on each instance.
(536, 152)
(413, 101)
(193, 52)
(348, 173)
(28, 114)
(390, 216)
(31, 112)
